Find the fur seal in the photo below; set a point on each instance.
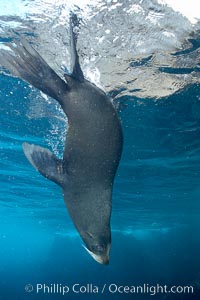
(93, 143)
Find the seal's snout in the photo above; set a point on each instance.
(105, 261)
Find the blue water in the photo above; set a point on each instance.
(156, 200)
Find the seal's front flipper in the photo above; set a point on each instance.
(45, 162)
(25, 62)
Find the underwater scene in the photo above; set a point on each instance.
(145, 55)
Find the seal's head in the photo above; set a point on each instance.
(99, 249)
(101, 255)
(90, 211)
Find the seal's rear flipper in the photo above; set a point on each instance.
(26, 63)
(45, 162)
(76, 69)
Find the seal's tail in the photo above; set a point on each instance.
(25, 62)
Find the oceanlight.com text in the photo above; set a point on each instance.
(111, 288)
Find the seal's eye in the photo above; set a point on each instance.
(99, 248)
